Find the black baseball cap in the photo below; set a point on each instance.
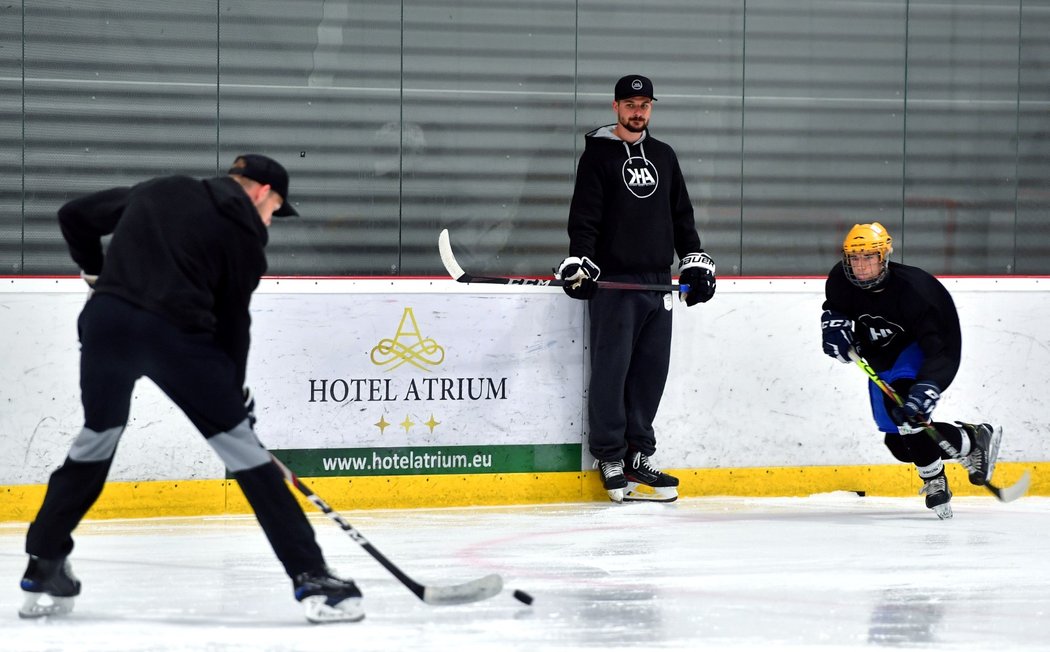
(267, 171)
(633, 86)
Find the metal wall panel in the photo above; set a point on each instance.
(1031, 236)
(11, 246)
(316, 86)
(114, 93)
(961, 161)
(792, 121)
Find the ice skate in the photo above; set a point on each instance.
(49, 587)
(984, 450)
(645, 482)
(938, 496)
(613, 479)
(327, 598)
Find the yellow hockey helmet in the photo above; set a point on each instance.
(867, 239)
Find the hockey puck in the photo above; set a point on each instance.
(522, 596)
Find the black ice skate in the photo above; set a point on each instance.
(612, 479)
(645, 482)
(984, 450)
(52, 581)
(327, 598)
(938, 496)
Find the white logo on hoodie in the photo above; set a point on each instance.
(640, 176)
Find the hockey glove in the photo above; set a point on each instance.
(579, 275)
(918, 406)
(697, 270)
(837, 330)
(249, 406)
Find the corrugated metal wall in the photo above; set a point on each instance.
(792, 120)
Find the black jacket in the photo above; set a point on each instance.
(189, 250)
(909, 306)
(630, 209)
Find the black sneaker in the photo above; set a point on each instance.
(639, 468)
(984, 450)
(48, 577)
(327, 598)
(938, 495)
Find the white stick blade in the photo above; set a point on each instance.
(480, 589)
(448, 259)
(1016, 490)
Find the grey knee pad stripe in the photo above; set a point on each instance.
(93, 446)
(239, 448)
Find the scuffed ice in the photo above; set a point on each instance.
(831, 572)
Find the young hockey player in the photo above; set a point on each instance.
(630, 213)
(904, 323)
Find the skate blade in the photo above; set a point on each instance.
(993, 451)
(319, 612)
(615, 495)
(639, 493)
(33, 608)
(943, 512)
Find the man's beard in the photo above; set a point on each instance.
(626, 124)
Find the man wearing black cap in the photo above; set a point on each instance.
(170, 302)
(630, 214)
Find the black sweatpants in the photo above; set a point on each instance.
(121, 343)
(630, 336)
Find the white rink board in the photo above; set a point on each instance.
(748, 387)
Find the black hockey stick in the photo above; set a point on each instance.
(473, 591)
(456, 272)
(1004, 494)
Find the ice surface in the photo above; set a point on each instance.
(829, 572)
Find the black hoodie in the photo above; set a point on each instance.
(189, 250)
(630, 209)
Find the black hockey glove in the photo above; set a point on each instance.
(918, 406)
(697, 270)
(249, 406)
(837, 330)
(579, 275)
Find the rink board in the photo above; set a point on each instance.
(188, 498)
(453, 394)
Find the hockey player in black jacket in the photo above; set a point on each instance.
(904, 322)
(630, 214)
(170, 302)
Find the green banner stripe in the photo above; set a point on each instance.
(432, 460)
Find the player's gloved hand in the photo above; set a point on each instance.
(837, 330)
(249, 405)
(918, 405)
(579, 275)
(697, 270)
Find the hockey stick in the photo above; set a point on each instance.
(473, 591)
(456, 272)
(1004, 494)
